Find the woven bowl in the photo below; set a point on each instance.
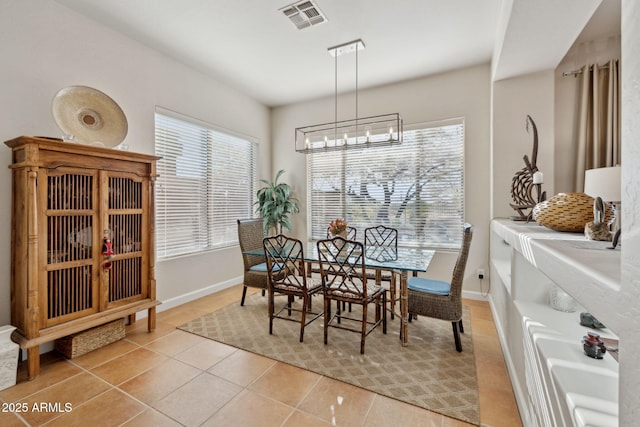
(569, 212)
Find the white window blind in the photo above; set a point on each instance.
(207, 180)
(416, 187)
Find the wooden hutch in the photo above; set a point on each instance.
(66, 199)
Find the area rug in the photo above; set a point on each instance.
(429, 373)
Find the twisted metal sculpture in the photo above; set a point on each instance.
(522, 186)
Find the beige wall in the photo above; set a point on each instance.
(462, 93)
(48, 47)
(513, 99)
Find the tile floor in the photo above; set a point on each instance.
(172, 378)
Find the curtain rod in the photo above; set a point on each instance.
(576, 72)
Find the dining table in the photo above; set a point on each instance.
(400, 261)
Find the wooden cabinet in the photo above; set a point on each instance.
(67, 198)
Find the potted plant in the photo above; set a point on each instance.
(275, 203)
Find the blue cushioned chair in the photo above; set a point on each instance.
(442, 300)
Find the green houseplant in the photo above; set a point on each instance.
(275, 203)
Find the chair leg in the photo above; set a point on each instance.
(244, 294)
(263, 292)
(384, 312)
(303, 317)
(327, 316)
(364, 326)
(271, 309)
(456, 336)
(392, 292)
(460, 326)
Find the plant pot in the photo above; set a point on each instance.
(8, 357)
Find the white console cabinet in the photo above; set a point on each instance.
(555, 383)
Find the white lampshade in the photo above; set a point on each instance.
(604, 183)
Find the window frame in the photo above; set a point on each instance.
(452, 238)
(212, 145)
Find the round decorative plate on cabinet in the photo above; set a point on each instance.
(88, 116)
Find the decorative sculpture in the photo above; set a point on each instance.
(598, 229)
(526, 180)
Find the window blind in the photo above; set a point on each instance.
(207, 180)
(416, 187)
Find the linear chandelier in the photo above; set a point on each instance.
(361, 132)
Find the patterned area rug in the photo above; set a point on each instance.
(429, 373)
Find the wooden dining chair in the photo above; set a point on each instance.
(286, 276)
(344, 280)
(381, 244)
(439, 299)
(250, 235)
(352, 234)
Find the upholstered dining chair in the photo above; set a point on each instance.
(439, 299)
(344, 280)
(381, 243)
(250, 235)
(286, 276)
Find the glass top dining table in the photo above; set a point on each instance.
(400, 261)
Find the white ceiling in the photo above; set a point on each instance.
(251, 45)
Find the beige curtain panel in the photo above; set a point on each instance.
(598, 132)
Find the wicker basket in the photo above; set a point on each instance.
(569, 212)
(76, 345)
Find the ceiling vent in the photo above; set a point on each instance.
(304, 14)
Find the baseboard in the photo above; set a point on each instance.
(474, 295)
(192, 296)
(519, 394)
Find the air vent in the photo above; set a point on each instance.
(304, 14)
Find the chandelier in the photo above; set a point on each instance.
(360, 132)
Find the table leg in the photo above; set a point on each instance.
(404, 309)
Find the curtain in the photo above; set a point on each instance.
(598, 130)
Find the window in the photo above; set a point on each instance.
(207, 179)
(416, 187)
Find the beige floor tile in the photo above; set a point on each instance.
(252, 410)
(285, 383)
(174, 343)
(483, 327)
(452, 422)
(391, 412)
(53, 369)
(337, 402)
(109, 409)
(242, 367)
(160, 381)
(205, 354)
(129, 365)
(199, 399)
(182, 316)
(65, 395)
(151, 418)
(498, 408)
(105, 354)
(299, 418)
(10, 418)
(140, 335)
(180, 391)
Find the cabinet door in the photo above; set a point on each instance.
(68, 280)
(124, 213)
